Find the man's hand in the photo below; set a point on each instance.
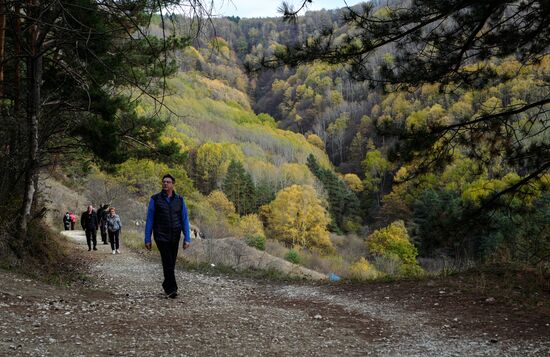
(186, 245)
(148, 246)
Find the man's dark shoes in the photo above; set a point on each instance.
(172, 295)
(89, 249)
(95, 248)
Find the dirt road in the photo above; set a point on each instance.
(120, 311)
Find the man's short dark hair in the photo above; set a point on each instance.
(170, 177)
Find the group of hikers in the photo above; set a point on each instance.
(105, 220)
(166, 221)
(69, 220)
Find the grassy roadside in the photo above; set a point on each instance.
(512, 283)
(134, 240)
(46, 256)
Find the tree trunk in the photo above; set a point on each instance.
(2, 44)
(17, 70)
(33, 115)
(34, 69)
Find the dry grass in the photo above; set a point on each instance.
(43, 256)
(134, 239)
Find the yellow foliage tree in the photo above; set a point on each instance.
(143, 177)
(298, 174)
(209, 164)
(315, 140)
(297, 218)
(212, 161)
(221, 203)
(393, 241)
(482, 188)
(354, 182)
(251, 225)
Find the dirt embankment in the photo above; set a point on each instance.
(233, 252)
(119, 310)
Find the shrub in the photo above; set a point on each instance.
(352, 224)
(275, 248)
(293, 256)
(411, 270)
(363, 270)
(393, 243)
(390, 265)
(255, 241)
(393, 239)
(323, 263)
(350, 246)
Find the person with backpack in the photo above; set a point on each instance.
(102, 215)
(166, 220)
(66, 221)
(114, 225)
(90, 224)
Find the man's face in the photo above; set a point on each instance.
(90, 209)
(167, 184)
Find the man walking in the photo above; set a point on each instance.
(102, 216)
(90, 223)
(166, 219)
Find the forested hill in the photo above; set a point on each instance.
(233, 159)
(361, 126)
(309, 98)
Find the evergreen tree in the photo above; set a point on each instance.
(62, 67)
(239, 188)
(436, 215)
(343, 203)
(265, 193)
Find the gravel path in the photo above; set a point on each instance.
(120, 311)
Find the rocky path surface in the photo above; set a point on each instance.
(120, 311)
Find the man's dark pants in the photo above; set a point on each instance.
(103, 233)
(91, 237)
(168, 254)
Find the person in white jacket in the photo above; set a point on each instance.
(114, 225)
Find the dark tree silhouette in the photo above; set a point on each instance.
(66, 67)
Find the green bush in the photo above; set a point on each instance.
(393, 240)
(255, 241)
(293, 256)
(393, 243)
